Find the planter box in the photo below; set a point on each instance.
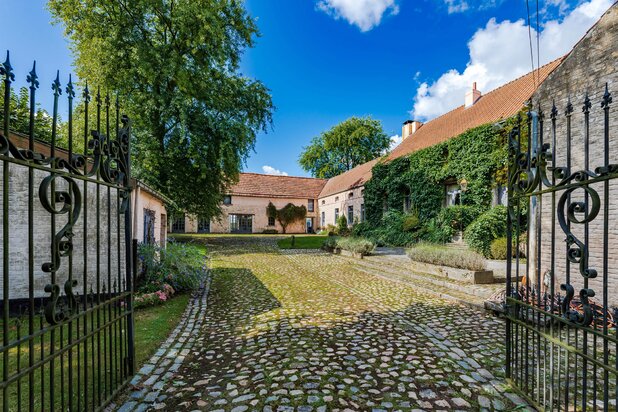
(350, 254)
(337, 251)
(464, 275)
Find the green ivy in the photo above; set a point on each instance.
(478, 155)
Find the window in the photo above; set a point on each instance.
(178, 224)
(241, 223)
(271, 221)
(227, 200)
(323, 219)
(149, 226)
(337, 199)
(323, 201)
(233, 219)
(453, 194)
(310, 205)
(350, 215)
(350, 195)
(362, 192)
(362, 212)
(500, 196)
(203, 225)
(336, 215)
(407, 202)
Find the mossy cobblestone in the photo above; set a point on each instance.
(309, 331)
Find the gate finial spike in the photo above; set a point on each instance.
(569, 107)
(554, 109)
(607, 97)
(6, 69)
(70, 90)
(587, 105)
(86, 93)
(32, 77)
(56, 84)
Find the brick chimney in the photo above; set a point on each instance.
(472, 96)
(409, 128)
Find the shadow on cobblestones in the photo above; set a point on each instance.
(307, 331)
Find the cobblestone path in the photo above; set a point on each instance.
(310, 331)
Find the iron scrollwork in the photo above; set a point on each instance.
(530, 171)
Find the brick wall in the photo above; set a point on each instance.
(592, 63)
(17, 221)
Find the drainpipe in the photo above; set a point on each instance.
(535, 218)
(136, 193)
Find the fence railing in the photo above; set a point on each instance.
(562, 341)
(67, 319)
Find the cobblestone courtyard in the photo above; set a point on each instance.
(306, 331)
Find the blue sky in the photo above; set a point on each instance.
(327, 60)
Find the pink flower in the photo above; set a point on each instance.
(161, 295)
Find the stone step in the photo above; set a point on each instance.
(470, 295)
(482, 290)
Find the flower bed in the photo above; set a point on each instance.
(462, 265)
(355, 246)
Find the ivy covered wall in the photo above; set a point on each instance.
(478, 155)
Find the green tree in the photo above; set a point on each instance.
(175, 65)
(352, 142)
(289, 214)
(19, 116)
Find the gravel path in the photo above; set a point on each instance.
(303, 330)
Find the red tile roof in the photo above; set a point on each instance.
(500, 103)
(260, 185)
(355, 177)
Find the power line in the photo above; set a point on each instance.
(530, 39)
(538, 44)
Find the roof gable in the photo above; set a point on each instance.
(500, 103)
(261, 185)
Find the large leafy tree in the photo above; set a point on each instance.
(350, 143)
(175, 64)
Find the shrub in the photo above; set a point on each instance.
(356, 245)
(498, 248)
(270, 231)
(445, 256)
(487, 227)
(342, 226)
(330, 243)
(410, 222)
(154, 298)
(179, 265)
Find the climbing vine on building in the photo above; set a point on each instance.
(478, 156)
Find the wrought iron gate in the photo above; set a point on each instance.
(561, 338)
(67, 319)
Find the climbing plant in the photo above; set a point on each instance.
(288, 214)
(478, 155)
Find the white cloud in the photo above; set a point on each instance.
(456, 6)
(366, 14)
(500, 52)
(269, 170)
(395, 140)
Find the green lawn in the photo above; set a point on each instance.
(302, 242)
(152, 326)
(183, 236)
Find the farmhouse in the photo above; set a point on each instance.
(244, 206)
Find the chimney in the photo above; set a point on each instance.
(409, 128)
(472, 96)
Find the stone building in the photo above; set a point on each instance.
(342, 195)
(584, 72)
(244, 206)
